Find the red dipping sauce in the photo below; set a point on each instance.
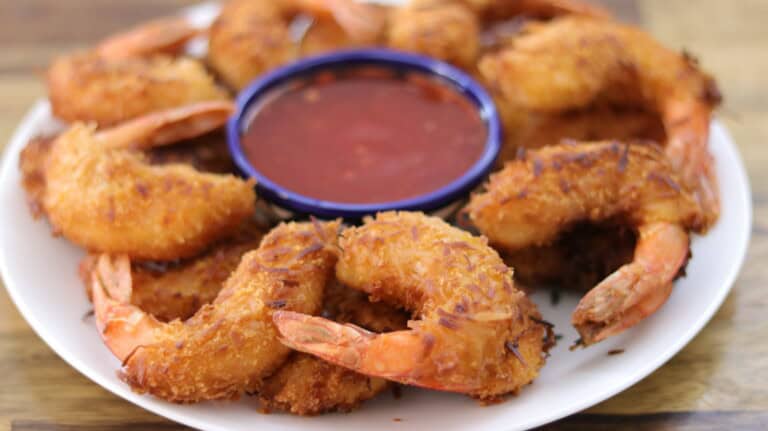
(364, 135)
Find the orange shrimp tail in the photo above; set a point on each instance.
(395, 355)
(168, 126)
(160, 36)
(687, 125)
(636, 290)
(122, 326)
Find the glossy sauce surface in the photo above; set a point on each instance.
(365, 135)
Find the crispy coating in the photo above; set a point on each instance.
(251, 37)
(456, 30)
(597, 62)
(448, 31)
(32, 167)
(207, 153)
(90, 88)
(228, 346)
(248, 38)
(107, 198)
(307, 385)
(475, 333)
(533, 199)
(176, 290)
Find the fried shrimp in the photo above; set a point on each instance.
(576, 62)
(228, 346)
(101, 193)
(453, 30)
(176, 290)
(532, 200)
(474, 333)
(307, 385)
(130, 75)
(251, 37)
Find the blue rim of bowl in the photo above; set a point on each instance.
(439, 198)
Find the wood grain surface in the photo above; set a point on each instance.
(717, 382)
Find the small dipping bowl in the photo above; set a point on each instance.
(441, 201)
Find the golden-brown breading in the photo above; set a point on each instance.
(103, 195)
(89, 88)
(250, 37)
(176, 290)
(445, 30)
(228, 346)
(207, 153)
(247, 39)
(601, 61)
(536, 198)
(472, 332)
(307, 385)
(533, 199)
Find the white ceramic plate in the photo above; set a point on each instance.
(40, 274)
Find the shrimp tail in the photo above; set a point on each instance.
(636, 290)
(169, 126)
(122, 326)
(161, 36)
(398, 355)
(364, 23)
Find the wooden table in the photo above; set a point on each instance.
(717, 382)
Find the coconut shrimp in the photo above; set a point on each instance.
(230, 345)
(532, 200)
(251, 37)
(307, 385)
(474, 332)
(207, 153)
(450, 30)
(176, 290)
(130, 75)
(102, 194)
(607, 62)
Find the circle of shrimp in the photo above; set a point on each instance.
(574, 62)
(130, 75)
(230, 345)
(307, 385)
(535, 198)
(101, 193)
(475, 333)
